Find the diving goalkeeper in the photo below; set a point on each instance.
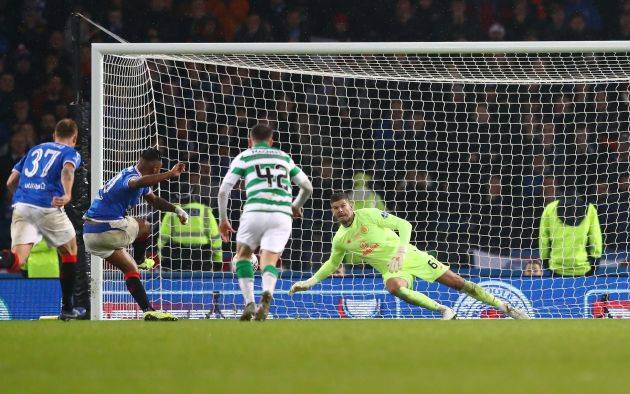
(369, 233)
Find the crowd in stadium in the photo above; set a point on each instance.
(523, 165)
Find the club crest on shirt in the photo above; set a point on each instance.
(364, 229)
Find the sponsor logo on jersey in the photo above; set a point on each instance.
(4, 310)
(359, 309)
(468, 308)
(35, 186)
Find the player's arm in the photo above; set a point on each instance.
(327, 269)
(67, 179)
(214, 236)
(154, 179)
(544, 237)
(231, 179)
(299, 178)
(402, 227)
(161, 204)
(13, 181)
(594, 234)
(14, 178)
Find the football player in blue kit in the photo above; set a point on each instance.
(107, 230)
(41, 183)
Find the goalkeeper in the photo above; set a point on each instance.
(369, 233)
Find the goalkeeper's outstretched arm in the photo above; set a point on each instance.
(327, 269)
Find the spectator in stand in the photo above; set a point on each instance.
(495, 219)
(415, 201)
(230, 13)
(294, 27)
(253, 30)
(570, 239)
(25, 77)
(341, 28)
(496, 32)
(458, 25)
(115, 22)
(7, 94)
(578, 30)
(158, 22)
(404, 26)
(430, 19)
(47, 125)
(623, 27)
(588, 10)
(556, 25)
(618, 225)
(523, 21)
(50, 96)
(21, 111)
(14, 152)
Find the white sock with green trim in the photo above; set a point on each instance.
(269, 278)
(247, 288)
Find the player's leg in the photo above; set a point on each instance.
(140, 243)
(454, 281)
(268, 262)
(401, 287)
(124, 262)
(24, 234)
(272, 243)
(67, 273)
(245, 275)
(110, 245)
(12, 260)
(58, 231)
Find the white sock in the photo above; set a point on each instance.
(269, 281)
(503, 307)
(247, 288)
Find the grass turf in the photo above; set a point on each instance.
(339, 356)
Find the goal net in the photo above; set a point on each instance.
(468, 143)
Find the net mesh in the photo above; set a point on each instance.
(469, 148)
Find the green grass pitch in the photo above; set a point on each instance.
(301, 356)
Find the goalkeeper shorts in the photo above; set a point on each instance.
(420, 265)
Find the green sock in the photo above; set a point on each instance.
(244, 269)
(418, 299)
(477, 292)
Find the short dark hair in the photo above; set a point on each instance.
(66, 128)
(338, 196)
(151, 154)
(261, 132)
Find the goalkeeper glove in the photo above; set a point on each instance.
(182, 215)
(302, 285)
(396, 263)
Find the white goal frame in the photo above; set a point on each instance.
(328, 48)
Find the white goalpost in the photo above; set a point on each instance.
(469, 141)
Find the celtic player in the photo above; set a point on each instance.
(266, 220)
(369, 233)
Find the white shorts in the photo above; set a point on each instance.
(103, 244)
(269, 230)
(30, 223)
